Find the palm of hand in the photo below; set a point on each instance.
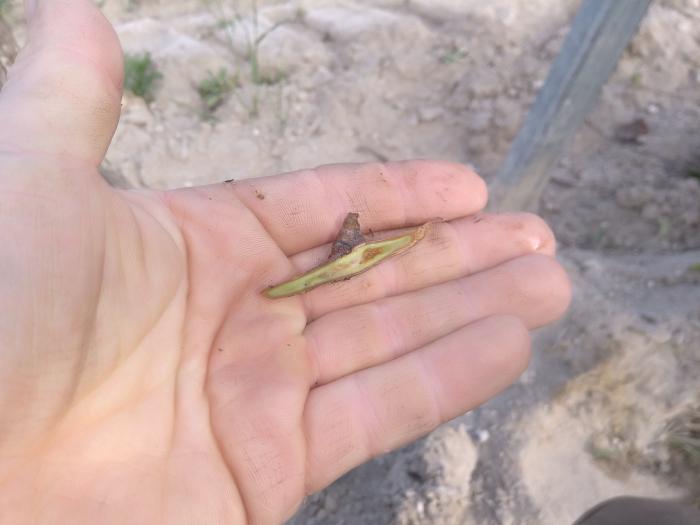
(146, 379)
(156, 288)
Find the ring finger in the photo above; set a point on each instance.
(533, 288)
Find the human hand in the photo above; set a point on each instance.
(145, 379)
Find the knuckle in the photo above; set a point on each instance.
(551, 284)
(513, 333)
(62, 75)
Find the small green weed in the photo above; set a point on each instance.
(272, 78)
(663, 227)
(604, 454)
(246, 25)
(684, 436)
(636, 79)
(683, 443)
(215, 90)
(282, 111)
(451, 55)
(141, 76)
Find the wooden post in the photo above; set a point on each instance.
(599, 34)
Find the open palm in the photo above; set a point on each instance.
(145, 379)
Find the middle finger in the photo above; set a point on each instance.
(533, 288)
(450, 250)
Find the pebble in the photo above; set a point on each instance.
(478, 120)
(634, 196)
(482, 435)
(661, 335)
(487, 84)
(691, 217)
(138, 113)
(330, 504)
(550, 205)
(429, 113)
(651, 211)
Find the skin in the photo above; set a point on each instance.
(144, 378)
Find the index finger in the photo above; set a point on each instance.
(306, 208)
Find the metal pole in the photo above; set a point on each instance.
(599, 34)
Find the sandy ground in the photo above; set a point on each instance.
(389, 79)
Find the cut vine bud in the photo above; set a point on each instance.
(350, 256)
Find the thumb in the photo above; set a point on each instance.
(62, 95)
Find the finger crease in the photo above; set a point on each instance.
(427, 376)
(391, 332)
(312, 349)
(367, 414)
